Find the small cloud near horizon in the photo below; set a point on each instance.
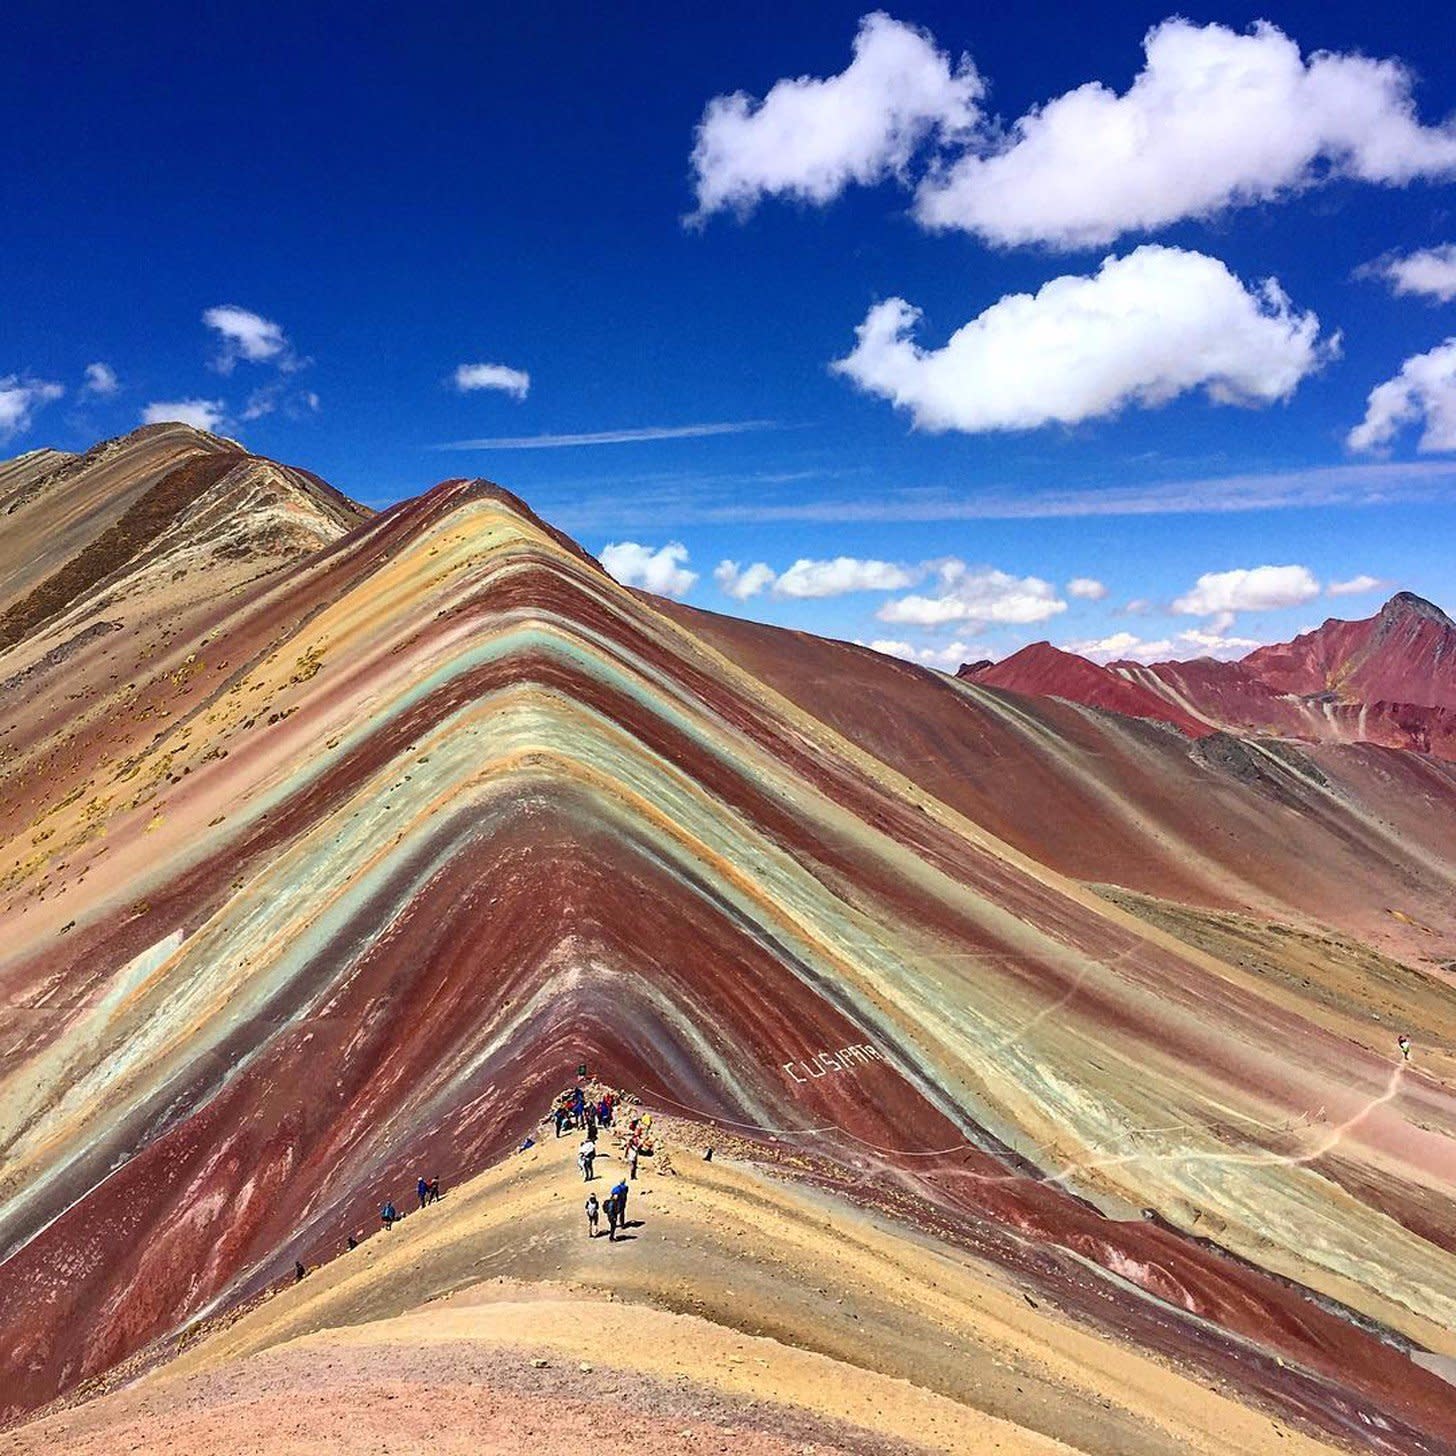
(808, 578)
(100, 379)
(20, 397)
(201, 414)
(662, 570)
(1356, 586)
(501, 377)
(1247, 589)
(250, 338)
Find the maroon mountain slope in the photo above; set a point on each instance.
(1048, 671)
(1406, 653)
(1389, 679)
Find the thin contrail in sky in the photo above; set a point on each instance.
(610, 437)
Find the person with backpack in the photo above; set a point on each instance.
(434, 1190)
(614, 1213)
(593, 1208)
(620, 1194)
(389, 1214)
(422, 1190)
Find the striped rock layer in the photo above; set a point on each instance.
(346, 840)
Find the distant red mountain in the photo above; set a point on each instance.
(1406, 653)
(1388, 679)
(1048, 671)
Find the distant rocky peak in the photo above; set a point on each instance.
(1404, 605)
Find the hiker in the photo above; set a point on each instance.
(593, 1208)
(586, 1158)
(422, 1190)
(299, 1272)
(620, 1194)
(1404, 1043)
(604, 1112)
(389, 1214)
(591, 1124)
(353, 1241)
(578, 1102)
(434, 1189)
(632, 1162)
(613, 1211)
(562, 1117)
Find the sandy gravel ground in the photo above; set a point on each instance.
(452, 1396)
(739, 1301)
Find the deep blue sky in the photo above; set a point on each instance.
(407, 188)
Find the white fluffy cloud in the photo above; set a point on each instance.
(1356, 586)
(101, 379)
(742, 582)
(1087, 588)
(810, 138)
(201, 414)
(1247, 589)
(949, 657)
(1195, 642)
(1430, 273)
(20, 397)
(514, 382)
(1122, 646)
(809, 578)
(1199, 643)
(1215, 119)
(662, 569)
(843, 574)
(981, 594)
(1141, 330)
(248, 336)
(1424, 390)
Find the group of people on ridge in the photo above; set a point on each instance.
(576, 1108)
(573, 1109)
